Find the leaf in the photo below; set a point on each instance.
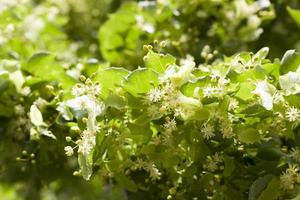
(229, 165)
(115, 101)
(110, 79)
(258, 186)
(295, 14)
(141, 133)
(272, 191)
(36, 116)
(248, 135)
(140, 81)
(5, 111)
(200, 114)
(253, 109)
(43, 65)
(4, 82)
(126, 182)
(85, 164)
(266, 92)
(273, 68)
(290, 61)
(245, 91)
(158, 62)
(42, 62)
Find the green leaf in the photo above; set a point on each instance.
(258, 186)
(126, 182)
(273, 68)
(110, 79)
(4, 82)
(115, 101)
(272, 191)
(229, 165)
(5, 111)
(253, 109)
(200, 114)
(245, 91)
(140, 81)
(290, 61)
(85, 164)
(247, 135)
(43, 65)
(158, 62)
(295, 14)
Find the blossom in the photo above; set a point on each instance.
(208, 131)
(19, 109)
(170, 125)
(155, 95)
(213, 91)
(293, 114)
(233, 104)
(213, 162)
(289, 177)
(69, 150)
(87, 142)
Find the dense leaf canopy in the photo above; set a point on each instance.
(166, 99)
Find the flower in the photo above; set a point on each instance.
(293, 114)
(233, 104)
(213, 162)
(289, 177)
(155, 95)
(69, 150)
(208, 131)
(170, 125)
(213, 91)
(19, 109)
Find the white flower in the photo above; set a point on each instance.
(33, 25)
(25, 91)
(69, 150)
(213, 91)
(208, 131)
(289, 177)
(155, 95)
(19, 109)
(147, 27)
(170, 125)
(84, 147)
(85, 103)
(40, 103)
(293, 114)
(263, 3)
(233, 104)
(213, 162)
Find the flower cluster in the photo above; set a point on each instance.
(290, 177)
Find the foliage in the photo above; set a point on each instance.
(108, 99)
